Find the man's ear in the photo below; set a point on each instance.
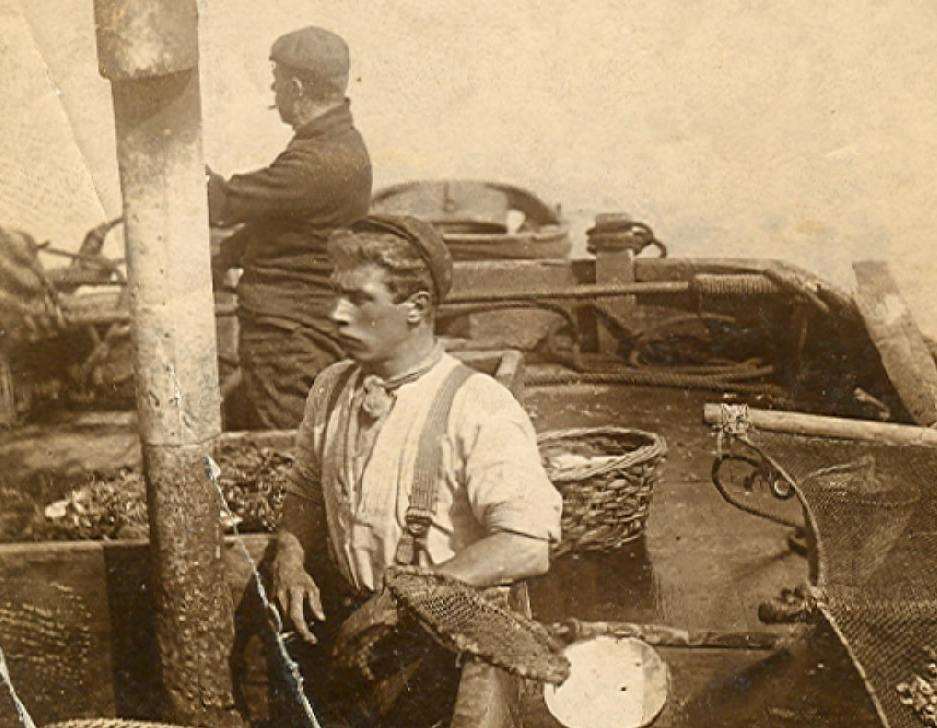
(420, 306)
(296, 86)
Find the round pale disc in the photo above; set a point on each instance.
(613, 683)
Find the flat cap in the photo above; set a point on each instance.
(424, 238)
(316, 54)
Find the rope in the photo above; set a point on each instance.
(726, 370)
(734, 428)
(747, 284)
(291, 668)
(732, 501)
(25, 719)
(618, 232)
(721, 371)
(661, 635)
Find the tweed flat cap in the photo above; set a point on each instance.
(423, 237)
(316, 54)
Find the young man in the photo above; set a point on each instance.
(363, 447)
(321, 182)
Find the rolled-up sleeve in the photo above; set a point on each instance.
(506, 485)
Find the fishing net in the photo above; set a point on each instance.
(464, 620)
(871, 516)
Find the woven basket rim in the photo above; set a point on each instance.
(655, 449)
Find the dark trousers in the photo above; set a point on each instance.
(435, 691)
(416, 680)
(278, 362)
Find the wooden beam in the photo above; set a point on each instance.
(905, 355)
(797, 423)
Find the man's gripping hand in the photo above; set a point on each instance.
(295, 588)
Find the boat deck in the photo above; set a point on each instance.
(702, 565)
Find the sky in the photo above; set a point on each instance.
(800, 130)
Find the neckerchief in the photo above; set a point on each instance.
(369, 408)
(379, 392)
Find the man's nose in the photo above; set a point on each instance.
(340, 312)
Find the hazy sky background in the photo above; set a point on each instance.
(800, 130)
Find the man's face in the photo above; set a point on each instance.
(284, 89)
(372, 327)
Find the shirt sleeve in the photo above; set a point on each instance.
(304, 476)
(506, 485)
(289, 185)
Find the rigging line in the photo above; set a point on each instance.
(293, 674)
(25, 719)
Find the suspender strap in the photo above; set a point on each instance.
(424, 492)
(338, 386)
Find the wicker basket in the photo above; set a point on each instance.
(606, 476)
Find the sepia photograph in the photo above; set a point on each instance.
(468, 365)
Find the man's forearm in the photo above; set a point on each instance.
(283, 188)
(302, 527)
(501, 558)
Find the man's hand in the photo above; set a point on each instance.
(295, 588)
(217, 198)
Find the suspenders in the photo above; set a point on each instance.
(423, 494)
(422, 506)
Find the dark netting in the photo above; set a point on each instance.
(464, 619)
(461, 618)
(872, 528)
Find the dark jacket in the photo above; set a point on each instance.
(320, 182)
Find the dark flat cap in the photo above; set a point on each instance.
(316, 54)
(424, 238)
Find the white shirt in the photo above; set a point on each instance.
(491, 479)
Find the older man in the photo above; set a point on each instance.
(322, 181)
(404, 435)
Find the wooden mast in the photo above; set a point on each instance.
(148, 49)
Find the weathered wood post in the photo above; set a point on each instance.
(613, 244)
(148, 49)
(905, 354)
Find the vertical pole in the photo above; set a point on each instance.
(148, 49)
(614, 264)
